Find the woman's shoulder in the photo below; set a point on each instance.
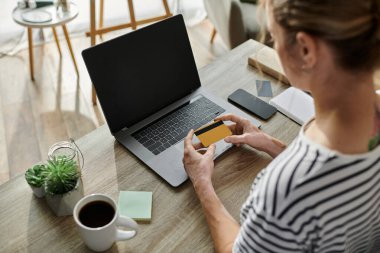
(306, 167)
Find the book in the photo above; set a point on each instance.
(136, 205)
(295, 104)
(266, 59)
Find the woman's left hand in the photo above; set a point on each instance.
(199, 167)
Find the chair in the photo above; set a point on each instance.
(233, 20)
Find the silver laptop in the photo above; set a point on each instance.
(149, 89)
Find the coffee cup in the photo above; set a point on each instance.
(97, 218)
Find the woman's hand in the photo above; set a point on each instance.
(199, 167)
(244, 132)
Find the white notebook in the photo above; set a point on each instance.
(295, 104)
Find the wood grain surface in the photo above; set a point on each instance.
(178, 223)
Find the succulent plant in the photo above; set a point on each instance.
(35, 176)
(61, 175)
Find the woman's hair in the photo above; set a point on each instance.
(350, 27)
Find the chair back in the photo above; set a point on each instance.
(219, 12)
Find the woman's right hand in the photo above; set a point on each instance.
(244, 132)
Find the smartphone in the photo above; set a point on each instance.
(252, 104)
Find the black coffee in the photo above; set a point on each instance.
(96, 214)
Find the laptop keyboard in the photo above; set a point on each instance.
(173, 127)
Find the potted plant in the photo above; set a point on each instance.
(63, 185)
(35, 177)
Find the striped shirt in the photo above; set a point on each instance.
(312, 199)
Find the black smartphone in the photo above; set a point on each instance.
(252, 104)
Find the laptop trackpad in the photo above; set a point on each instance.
(221, 146)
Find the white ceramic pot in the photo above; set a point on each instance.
(39, 192)
(64, 204)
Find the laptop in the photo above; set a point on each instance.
(151, 95)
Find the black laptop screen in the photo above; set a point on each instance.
(139, 73)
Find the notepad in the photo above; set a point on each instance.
(295, 104)
(136, 205)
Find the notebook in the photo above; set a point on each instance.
(295, 104)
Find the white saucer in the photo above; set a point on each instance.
(36, 16)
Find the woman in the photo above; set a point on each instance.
(322, 193)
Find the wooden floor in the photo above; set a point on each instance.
(57, 106)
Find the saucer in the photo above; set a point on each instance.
(36, 16)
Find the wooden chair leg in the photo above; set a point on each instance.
(213, 33)
(167, 9)
(132, 14)
(101, 16)
(57, 41)
(70, 48)
(30, 42)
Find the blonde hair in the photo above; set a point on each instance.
(351, 27)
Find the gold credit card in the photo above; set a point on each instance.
(212, 133)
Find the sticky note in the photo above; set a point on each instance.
(264, 89)
(136, 205)
(212, 133)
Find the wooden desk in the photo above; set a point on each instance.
(178, 224)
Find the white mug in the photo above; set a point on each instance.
(102, 238)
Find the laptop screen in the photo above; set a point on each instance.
(139, 73)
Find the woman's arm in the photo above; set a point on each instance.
(224, 229)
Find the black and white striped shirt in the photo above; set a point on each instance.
(312, 199)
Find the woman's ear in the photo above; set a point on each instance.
(307, 50)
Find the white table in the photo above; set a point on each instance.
(58, 17)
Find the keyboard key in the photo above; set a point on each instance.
(155, 146)
(143, 140)
(181, 136)
(172, 141)
(148, 143)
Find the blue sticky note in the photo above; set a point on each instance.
(264, 88)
